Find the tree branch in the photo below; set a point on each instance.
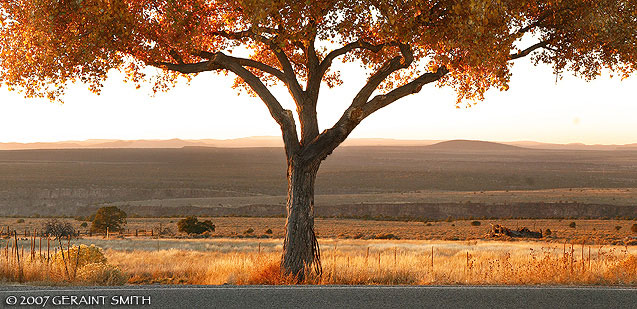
(360, 108)
(314, 73)
(219, 61)
(413, 87)
(314, 81)
(327, 62)
(188, 68)
(288, 72)
(395, 64)
(527, 51)
(541, 19)
(283, 117)
(248, 63)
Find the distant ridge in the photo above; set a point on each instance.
(467, 145)
(274, 141)
(246, 142)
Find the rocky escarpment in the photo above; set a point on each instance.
(419, 211)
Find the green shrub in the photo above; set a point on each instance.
(191, 225)
(572, 225)
(476, 223)
(249, 231)
(84, 224)
(548, 232)
(618, 227)
(268, 231)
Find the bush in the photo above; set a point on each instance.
(385, 236)
(192, 225)
(634, 228)
(268, 231)
(58, 229)
(84, 224)
(572, 225)
(88, 255)
(476, 223)
(111, 217)
(618, 227)
(87, 264)
(249, 231)
(101, 274)
(20, 221)
(548, 232)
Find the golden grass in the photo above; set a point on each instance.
(72, 265)
(354, 264)
(345, 262)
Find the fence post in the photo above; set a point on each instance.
(432, 259)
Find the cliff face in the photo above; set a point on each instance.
(466, 210)
(418, 211)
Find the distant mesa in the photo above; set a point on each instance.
(274, 141)
(467, 145)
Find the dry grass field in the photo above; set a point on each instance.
(369, 262)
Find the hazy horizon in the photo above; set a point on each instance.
(275, 141)
(536, 108)
(274, 137)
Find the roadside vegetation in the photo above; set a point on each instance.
(366, 262)
(247, 251)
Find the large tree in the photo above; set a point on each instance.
(404, 44)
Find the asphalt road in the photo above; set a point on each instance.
(318, 297)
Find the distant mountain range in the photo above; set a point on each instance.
(271, 141)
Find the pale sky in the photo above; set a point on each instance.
(534, 109)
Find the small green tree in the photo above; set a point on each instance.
(191, 225)
(110, 217)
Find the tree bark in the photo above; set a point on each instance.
(301, 254)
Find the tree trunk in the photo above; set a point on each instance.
(301, 252)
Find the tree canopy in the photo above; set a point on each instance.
(46, 44)
(110, 217)
(192, 225)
